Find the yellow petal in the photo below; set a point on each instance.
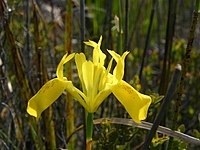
(80, 59)
(100, 40)
(102, 57)
(114, 55)
(65, 59)
(100, 97)
(109, 65)
(101, 82)
(76, 93)
(95, 56)
(88, 75)
(106, 75)
(118, 71)
(94, 44)
(98, 74)
(91, 43)
(135, 103)
(46, 96)
(98, 55)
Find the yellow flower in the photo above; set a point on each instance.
(135, 103)
(52, 90)
(97, 83)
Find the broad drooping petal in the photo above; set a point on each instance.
(135, 103)
(50, 91)
(46, 96)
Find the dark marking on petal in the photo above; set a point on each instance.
(126, 88)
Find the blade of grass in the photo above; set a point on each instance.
(107, 25)
(147, 38)
(168, 46)
(136, 22)
(170, 93)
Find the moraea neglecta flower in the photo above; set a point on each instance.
(97, 84)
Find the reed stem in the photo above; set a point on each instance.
(69, 98)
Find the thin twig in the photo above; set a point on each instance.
(148, 126)
(126, 31)
(144, 125)
(82, 20)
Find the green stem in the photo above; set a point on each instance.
(197, 6)
(89, 130)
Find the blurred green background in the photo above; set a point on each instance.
(35, 34)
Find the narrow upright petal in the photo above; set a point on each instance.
(46, 96)
(91, 43)
(114, 55)
(98, 56)
(88, 75)
(135, 103)
(79, 60)
(65, 59)
(118, 71)
(94, 44)
(95, 56)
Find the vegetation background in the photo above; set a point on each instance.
(35, 34)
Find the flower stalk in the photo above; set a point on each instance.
(89, 130)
